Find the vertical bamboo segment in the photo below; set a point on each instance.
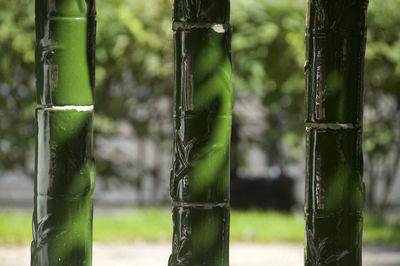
(203, 99)
(65, 172)
(335, 38)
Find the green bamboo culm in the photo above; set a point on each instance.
(203, 99)
(64, 170)
(335, 194)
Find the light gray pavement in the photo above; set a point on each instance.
(241, 254)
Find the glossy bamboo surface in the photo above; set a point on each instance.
(203, 99)
(65, 42)
(64, 184)
(335, 194)
(64, 169)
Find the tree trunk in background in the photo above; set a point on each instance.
(234, 153)
(65, 172)
(335, 37)
(202, 116)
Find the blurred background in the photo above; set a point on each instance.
(133, 121)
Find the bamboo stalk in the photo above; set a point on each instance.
(64, 171)
(202, 120)
(335, 193)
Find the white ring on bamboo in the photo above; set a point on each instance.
(78, 108)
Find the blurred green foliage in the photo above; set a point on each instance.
(134, 72)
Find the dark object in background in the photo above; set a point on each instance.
(263, 193)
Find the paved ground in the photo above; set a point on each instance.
(242, 254)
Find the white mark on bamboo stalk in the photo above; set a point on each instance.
(334, 126)
(78, 108)
(218, 28)
(200, 205)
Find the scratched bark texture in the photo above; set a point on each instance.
(203, 99)
(64, 170)
(335, 39)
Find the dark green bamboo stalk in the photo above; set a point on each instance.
(65, 172)
(335, 37)
(202, 117)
